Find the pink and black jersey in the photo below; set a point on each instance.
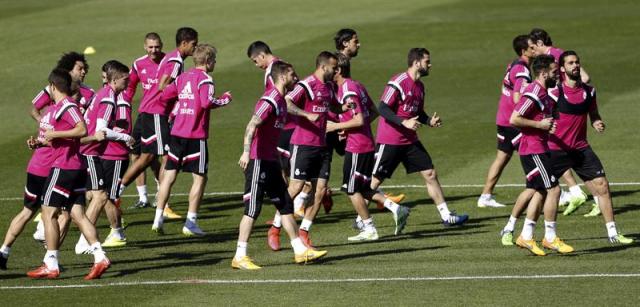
(313, 96)
(573, 106)
(43, 99)
(42, 157)
(268, 80)
(121, 122)
(101, 107)
(172, 66)
(272, 110)
(556, 53)
(65, 116)
(144, 70)
(514, 81)
(405, 97)
(195, 91)
(359, 140)
(534, 104)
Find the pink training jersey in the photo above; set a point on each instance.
(66, 116)
(534, 104)
(272, 110)
(144, 70)
(573, 105)
(514, 81)
(101, 107)
(195, 91)
(406, 97)
(172, 66)
(42, 157)
(269, 84)
(313, 96)
(556, 53)
(359, 140)
(44, 99)
(121, 122)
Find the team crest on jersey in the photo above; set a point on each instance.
(186, 92)
(144, 71)
(297, 172)
(263, 175)
(553, 178)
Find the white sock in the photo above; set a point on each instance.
(511, 224)
(82, 241)
(393, 207)
(576, 191)
(595, 199)
(241, 250)
(527, 229)
(142, 193)
(444, 211)
(192, 217)
(358, 219)
(611, 229)
(549, 231)
(51, 259)
(98, 253)
(305, 225)
(298, 246)
(299, 201)
(277, 220)
(119, 232)
(5, 250)
(485, 196)
(159, 219)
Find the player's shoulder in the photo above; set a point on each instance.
(86, 88)
(65, 105)
(141, 60)
(554, 92)
(400, 78)
(174, 56)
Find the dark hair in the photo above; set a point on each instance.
(416, 54)
(324, 57)
(186, 34)
(61, 79)
(538, 34)
(258, 47)
(521, 42)
(114, 69)
(69, 59)
(344, 65)
(566, 54)
(153, 36)
(344, 35)
(279, 68)
(541, 63)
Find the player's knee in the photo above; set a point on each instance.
(252, 213)
(601, 186)
(430, 175)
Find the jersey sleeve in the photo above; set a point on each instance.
(42, 99)
(520, 77)
(297, 95)
(106, 110)
(525, 106)
(72, 116)
(390, 95)
(594, 102)
(170, 92)
(263, 109)
(134, 79)
(173, 69)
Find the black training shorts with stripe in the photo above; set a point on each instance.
(95, 174)
(414, 157)
(188, 155)
(539, 172)
(155, 134)
(113, 172)
(265, 176)
(64, 188)
(356, 172)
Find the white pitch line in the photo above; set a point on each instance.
(343, 280)
(391, 187)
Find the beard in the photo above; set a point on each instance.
(423, 72)
(574, 76)
(549, 83)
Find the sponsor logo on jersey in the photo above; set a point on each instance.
(186, 92)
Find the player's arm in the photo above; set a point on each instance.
(134, 79)
(594, 115)
(522, 79)
(293, 109)
(248, 139)
(78, 131)
(584, 76)
(207, 96)
(374, 113)
(356, 121)
(38, 103)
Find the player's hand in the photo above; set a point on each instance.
(554, 126)
(350, 105)
(100, 135)
(546, 124)
(49, 135)
(312, 117)
(331, 126)
(244, 160)
(225, 98)
(130, 141)
(599, 125)
(412, 123)
(32, 143)
(435, 120)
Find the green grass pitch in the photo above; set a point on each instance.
(470, 42)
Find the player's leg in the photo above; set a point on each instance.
(166, 184)
(195, 198)
(506, 235)
(508, 140)
(319, 188)
(252, 198)
(101, 263)
(577, 197)
(113, 171)
(141, 180)
(526, 240)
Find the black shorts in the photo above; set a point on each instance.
(539, 172)
(310, 162)
(33, 191)
(508, 139)
(113, 172)
(284, 149)
(95, 174)
(584, 161)
(64, 188)
(414, 157)
(264, 176)
(136, 134)
(188, 155)
(356, 172)
(155, 134)
(335, 143)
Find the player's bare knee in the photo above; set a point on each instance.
(601, 186)
(430, 176)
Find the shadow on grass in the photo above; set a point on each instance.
(362, 255)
